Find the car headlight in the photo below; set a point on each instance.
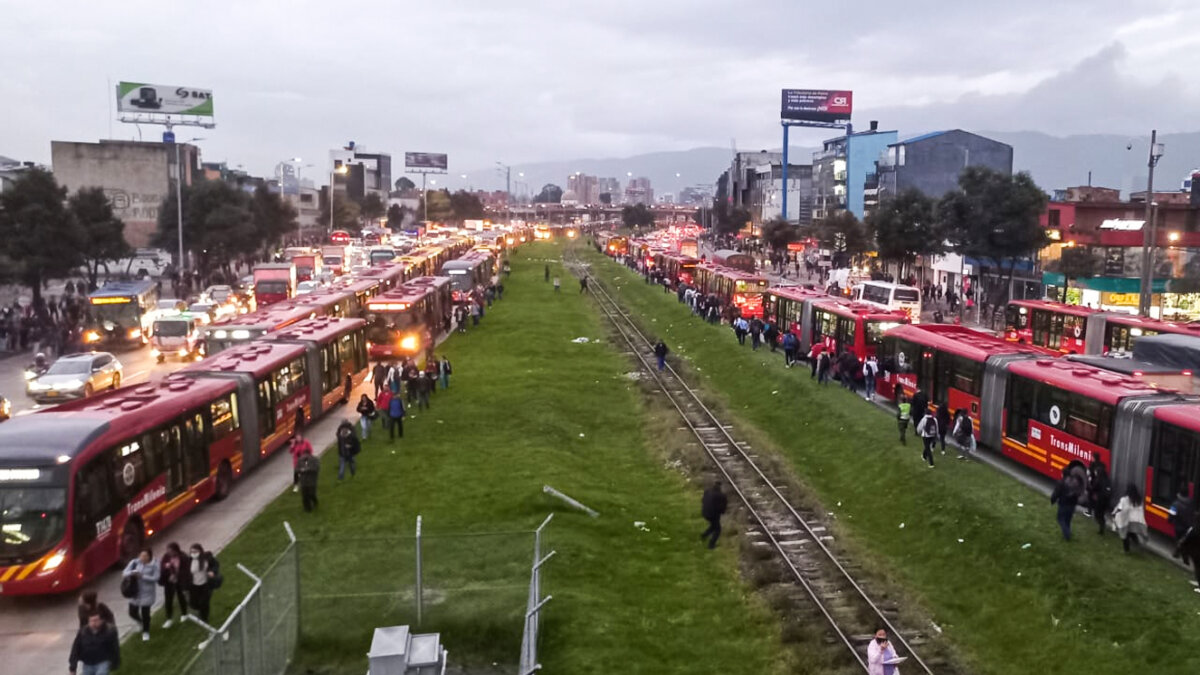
(135, 333)
(409, 343)
(38, 386)
(183, 351)
(30, 375)
(91, 336)
(154, 352)
(71, 384)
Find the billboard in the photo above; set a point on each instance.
(166, 99)
(816, 105)
(425, 160)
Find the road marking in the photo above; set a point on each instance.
(137, 374)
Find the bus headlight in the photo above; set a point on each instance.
(135, 333)
(55, 560)
(91, 336)
(183, 351)
(154, 352)
(409, 343)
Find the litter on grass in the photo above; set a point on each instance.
(960, 541)
(902, 526)
(1025, 546)
(580, 340)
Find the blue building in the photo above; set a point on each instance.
(841, 167)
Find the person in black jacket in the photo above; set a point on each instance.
(1099, 491)
(712, 507)
(96, 646)
(1066, 498)
(920, 406)
(660, 354)
(203, 576)
(1181, 516)
(366, 410)
(379, 377)
(348, 448)
(943, 418)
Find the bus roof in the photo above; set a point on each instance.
(67, 429)
(1157, 325)
(1053, 306)
(121, 289)
(322, 297)
(1186, 416)
(735, 274)
(973, 344)
(321, 329)
(258, 359)
(851, 309)
(797, 293)
(400, 298)
(270, 317)
(1097, 383)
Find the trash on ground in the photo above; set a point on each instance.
(580, 340)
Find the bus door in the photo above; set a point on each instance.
(1041, 328)
(169, 440)
(941, 364)
(266, 408)
(194, 437)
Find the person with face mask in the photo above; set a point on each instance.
(881, 656)
(203, 577)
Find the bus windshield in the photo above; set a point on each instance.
(171, 328)
(271, 287)
(32, 519)
(125, 315)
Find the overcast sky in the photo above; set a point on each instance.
(522, 81)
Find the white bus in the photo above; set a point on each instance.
(887, 295)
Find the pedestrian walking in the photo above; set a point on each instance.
(963, 433)
(660, 354)
(348, 448)
(920, 405)
(1129, 518)
(712, 506)
(396, 415)
(89, 604)
(203, 577)
(1181, 515)
(309, 469)
(144, 572)
(424, 386)
(171, 576)
(1188, 548)
(366, 412)
(1099, 491)
(583, 284)
(903, 412)
(928, 430)
(870, 371)
(823, 365)
(299, 446)
(444, 372)
(96, 647)
(1064, 496)
(943, 419)
(879, 653)
(557, 284)
(790, 343)
(547, 273)
(347, 388)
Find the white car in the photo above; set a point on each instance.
(75, 376)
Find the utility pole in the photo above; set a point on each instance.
(1149, 245)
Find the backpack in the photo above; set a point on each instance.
(962, 428)
(394, 381)
(129, 587)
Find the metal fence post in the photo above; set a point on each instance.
(419, 591)
(296, 554)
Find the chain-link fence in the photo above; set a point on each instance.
(260, 635)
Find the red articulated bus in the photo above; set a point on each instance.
(679, 269)
(476, 268)
(837, 324)
(389, 275)
(404, 320)
(734, 259)
(335, 349)
(733, 287)
(1044, 323)
(273, 384)
(1173, 462)
(1115, 333)
(330, 302)
(952, 364)
(243, 328)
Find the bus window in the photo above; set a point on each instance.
(907, 356)
(1072, 326)
(847, 333)
(224, 414)
(968, 376)
(824, 324)
(1176, 452)
(168, 441)
(943, 380)
(195, 448)
(1041, 328)
(266, 408)
(1021, 394)
(93, 501)
(1015, 318)
(130, 470)
(1089, 419)
(289, 379)
(331, 367)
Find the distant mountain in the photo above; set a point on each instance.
(1055, 162)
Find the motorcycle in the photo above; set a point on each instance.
(5, 409)
(34, 371)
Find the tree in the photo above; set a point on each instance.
(637, 216)
(345, 214)
(439, 209)
(103, 232)
(844, 234)
(993, 217)
(606, 198)
(404, 183)
(371, 208)
(395, 217)
(905, 227)
(39, 237)
(1074, 263)
(466, 206)
(273, 217)
(218, 224)
(729, 221)
(550, 194)
(777, 233)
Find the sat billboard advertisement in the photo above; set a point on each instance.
(425, 160)
(816, 105)
(167, 99)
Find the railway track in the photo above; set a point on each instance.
(795, 536)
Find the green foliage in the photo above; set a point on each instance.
(372, 208)
(466, 206)
(440, 208)
(405, 183)
(345, 214)
(842, 233)
(637, 216)
(274, 217)
(218, 224)
(777, 233)
(729, 220)
(103, 232)
(550, 194)
(395, 216)
(39, 236)
(904, 227)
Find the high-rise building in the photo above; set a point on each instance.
(639, 191)
(931, 163)
(841, 167)
(366, 172)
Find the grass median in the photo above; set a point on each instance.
(526, 407)
(979, 552)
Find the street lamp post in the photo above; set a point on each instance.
(179, 203)
(1148, 242)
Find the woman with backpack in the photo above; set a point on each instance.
(963, 433)
(1130, 518)
(927, 429)
(203, 576)
(366, 409)
(139, 583)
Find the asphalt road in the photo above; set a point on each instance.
(138, 365)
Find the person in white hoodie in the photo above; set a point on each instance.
(1129, 518)
(879, 652)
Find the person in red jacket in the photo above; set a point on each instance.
(299, 446)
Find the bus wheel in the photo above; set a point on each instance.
(132, 539)
(224, 482)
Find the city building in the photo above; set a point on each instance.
(612, 188)
(365, 173)
(696, 194)
(137, 176)
(585, 188)
(766, 193)
(841, 167)
(1086, 193)
(931, 163)
(737, 183)
(639, 191)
